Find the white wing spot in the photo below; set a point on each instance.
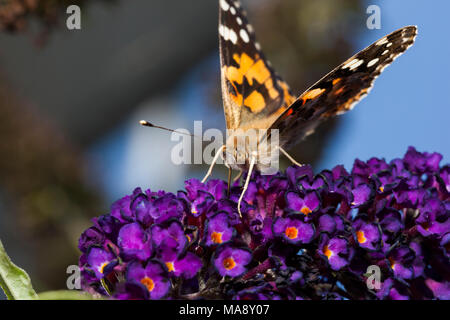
(222, 31)
(224, 5)
(233, 36)
(257, 46)
(233, 11)
(244, 35)
(389, 44)
(239, 20)
(372, 62)
(384, 52)
(355, 63)
(349, 63)
(250, 28)
(228, 34)
(382, 41)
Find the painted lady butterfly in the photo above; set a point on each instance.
(255, 97)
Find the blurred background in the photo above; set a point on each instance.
(70, 102)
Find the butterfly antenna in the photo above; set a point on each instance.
(145, 123)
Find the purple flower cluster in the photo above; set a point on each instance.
(302, 236)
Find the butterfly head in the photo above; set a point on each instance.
(243, 146)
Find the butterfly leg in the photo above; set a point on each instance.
(229, 181)
(247, 181)
(238, 176)
(213, 163)
(289, 157)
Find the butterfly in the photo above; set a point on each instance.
(255, 96)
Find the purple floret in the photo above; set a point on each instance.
(231, 261)
(293, 229)
(218, 229)
(151, 275)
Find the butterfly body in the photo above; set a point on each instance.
(244, 144)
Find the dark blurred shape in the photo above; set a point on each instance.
(124, 54)
(15, 15)
(41, 179)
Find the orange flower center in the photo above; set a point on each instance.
(148, 283)
(305, 211)
(291, 232)
(327, 252)
(102, 266)
(360, 236)
(392, 262)
(216, 237)
(229, 263)
(170, 266)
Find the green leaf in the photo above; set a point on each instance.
(65, 295)
(14, 281)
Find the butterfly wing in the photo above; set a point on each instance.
(254, 95)
(342, 88)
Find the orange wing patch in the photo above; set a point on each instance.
(249, 68)
(312, 94)
(273, 93)
(255, 72)
(234, 74)
(255, 101)
(259, 72)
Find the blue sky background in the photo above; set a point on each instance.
(408, 106)
(410, 102)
